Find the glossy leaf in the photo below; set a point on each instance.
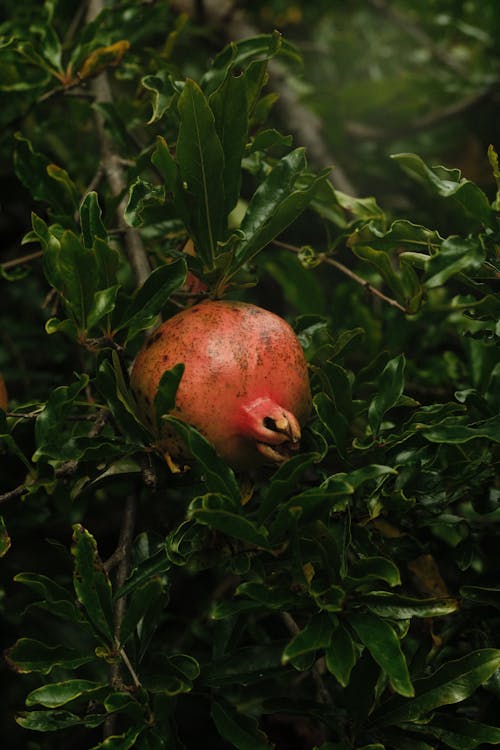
(341, 655)
(451, 683)
(164, 400)
(384, 646)
(57, 694)
(278, 201)
(50, 721)
(91, 219)
(314, 636)
(91, 582)
(390, 388)
(200, 158)
(448, 183)
(462, 734)
(240, 730)
(30, 655)
(5, 541)
(219, 476)
(152, 296)
(215, 511)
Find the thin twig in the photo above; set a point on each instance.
(22, 259)
(426, 122)
(347, 272)
(113, 166)
(414, 30)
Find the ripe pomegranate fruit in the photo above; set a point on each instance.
(245, 385)
(4, 399)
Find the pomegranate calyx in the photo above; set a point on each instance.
(275, 429)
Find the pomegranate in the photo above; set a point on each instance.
(245, 385)
(4, 399)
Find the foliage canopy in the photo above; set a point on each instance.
(350, 598)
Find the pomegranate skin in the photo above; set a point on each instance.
(245, 385)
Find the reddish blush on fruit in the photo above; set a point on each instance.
(245, 385)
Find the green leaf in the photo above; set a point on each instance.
(397, 272)
(399, 607)
(341, 655)
(103, 304)
(111, 385)
(154, 565)
(462, 734)
(453, 431)
(151, 297)
(51, 721)
(372, 568)
(219, 477)
(452, 683)
(210, 510)
(314, 636)
(124, 741)
(455, 255)
(54, 598)
(5, 542)
(167, 388)
(384, 646)
(52, 419)
(229, 104)
(278, 201)
(164, 93)
(240, 730)
(57, 694)
(32, 169)
(91, 582)
(448, 183)
(91, 220)
(390, 388)
(200, 158)
(141, 606)
(30, 655)
(488, 595)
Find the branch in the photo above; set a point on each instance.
(413, 29)
(360, 130)
(305, 125)
(347, 272)
(113, 166)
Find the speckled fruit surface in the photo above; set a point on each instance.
(245, 385)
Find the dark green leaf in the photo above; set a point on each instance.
(200, 158)
(57, 694)
(152, 296)
(384, 646)
(341, 655)
(91, 220)
(167, 388)
(91, 582)
(5, 542)
(448, 183)
(219, 476)
(462, 734)
(314, 636)
(451, 683)
(390, 388)
(29, 655)
(278, 201)
(238, 729)
(218, 512)
(51, 721)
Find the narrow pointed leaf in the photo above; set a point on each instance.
(384, 646)
(451, 683)
(91, 582)
(200, 158)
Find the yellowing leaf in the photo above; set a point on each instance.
(103, 57)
